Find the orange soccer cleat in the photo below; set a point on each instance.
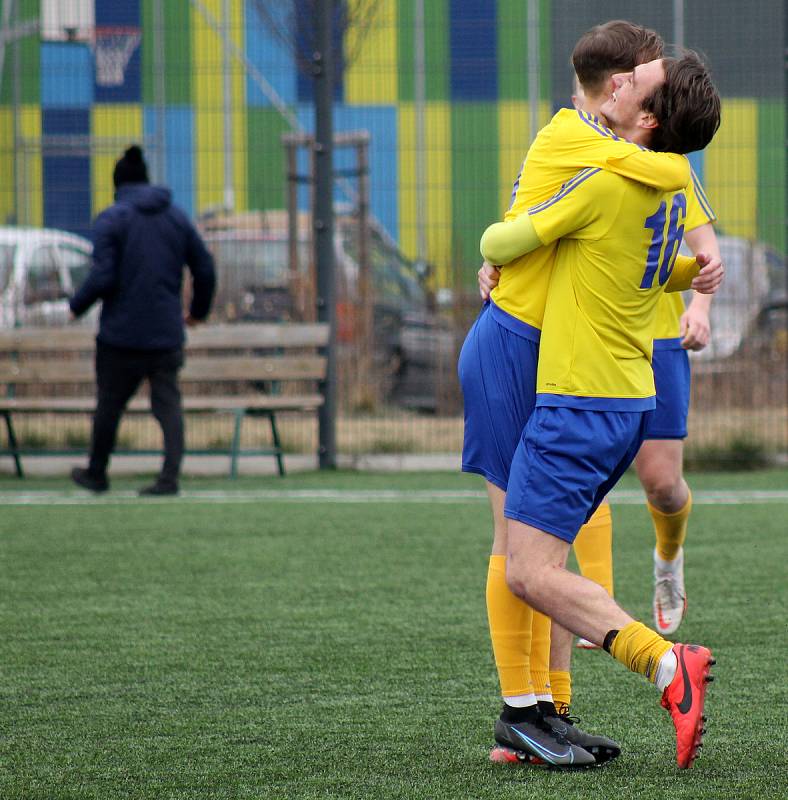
(684, 699)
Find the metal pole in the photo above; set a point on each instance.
(678, 23)
(419, 105)
(229, 190)
(533, 65)
(159, 91)
(323, 220)
(297, 285)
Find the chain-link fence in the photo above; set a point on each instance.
(436, 102)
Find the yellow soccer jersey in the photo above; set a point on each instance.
(671, 306)
(619, 244)
(572, 140)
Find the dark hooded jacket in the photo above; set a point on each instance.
(140, 245)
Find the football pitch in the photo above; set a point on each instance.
(324, 636)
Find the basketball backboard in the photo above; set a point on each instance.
(67, 20)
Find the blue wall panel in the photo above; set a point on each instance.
(66, 75)
(123, 14)
(67, 187)
(381, 122)
(178, 152)
(269, 54)
(474, 49)
(306, 44)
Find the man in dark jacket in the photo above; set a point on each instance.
(140, 245)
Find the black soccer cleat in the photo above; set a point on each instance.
(537, 742)
(601, 748)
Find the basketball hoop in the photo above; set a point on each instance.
(113, 49)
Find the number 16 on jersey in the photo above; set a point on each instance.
(664, 244)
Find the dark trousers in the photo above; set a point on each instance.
(119, 373)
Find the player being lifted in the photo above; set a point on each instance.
(506, 334)
(595, 385)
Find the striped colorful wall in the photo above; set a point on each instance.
(476, 120)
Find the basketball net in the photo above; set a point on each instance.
(113, 49)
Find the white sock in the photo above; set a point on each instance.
(520, 700)
(666, 670)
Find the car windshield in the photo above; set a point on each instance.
(6, 264)
(261, 262)
(396, 281)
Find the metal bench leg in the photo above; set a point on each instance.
(280, 461)
(236, 446)
(13, 445)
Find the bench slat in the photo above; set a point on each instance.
(198, 369)
(209, 337)
(66, 405)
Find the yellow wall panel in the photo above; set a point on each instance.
(239, 144)
(121, 123)
(730, 174)
(438, 218)
(30, 173)
(514, 138)
(207, 63)
(7, 191)
(371, 76)
(209, 116)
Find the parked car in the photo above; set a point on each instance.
(39, 270)
(754, 279)
(255, 282)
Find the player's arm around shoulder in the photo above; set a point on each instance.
(582, 140)
(579, 202)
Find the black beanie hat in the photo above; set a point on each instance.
(131, 168)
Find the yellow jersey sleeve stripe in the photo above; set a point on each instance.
(569, 186)
(594, 123)
(702, 199)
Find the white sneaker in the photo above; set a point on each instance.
(584, 644)
(670, 597)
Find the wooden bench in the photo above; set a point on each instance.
(253, 370)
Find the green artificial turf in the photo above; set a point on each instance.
(185, 649)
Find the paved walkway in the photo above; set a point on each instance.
(251, 465)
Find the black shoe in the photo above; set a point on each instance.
(538, 742)
(160, 489)
(600, 747)
(83, 478)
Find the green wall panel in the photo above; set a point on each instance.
(265, 127)
(177, 51)
(29, 59)
(475, 197)
(436, 49)
(771, 173)
(512, 50)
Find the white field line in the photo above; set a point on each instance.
(618, 497)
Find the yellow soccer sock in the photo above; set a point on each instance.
(540, 655)
(561, 685)
(671, 529)
(510, 631)
(594, 548)
(640, 649)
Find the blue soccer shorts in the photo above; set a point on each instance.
(567, 461)
(497, 371)
(672, 379)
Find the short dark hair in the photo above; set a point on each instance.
(686, 106)
(615, 46)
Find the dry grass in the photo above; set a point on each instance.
(397, 432)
